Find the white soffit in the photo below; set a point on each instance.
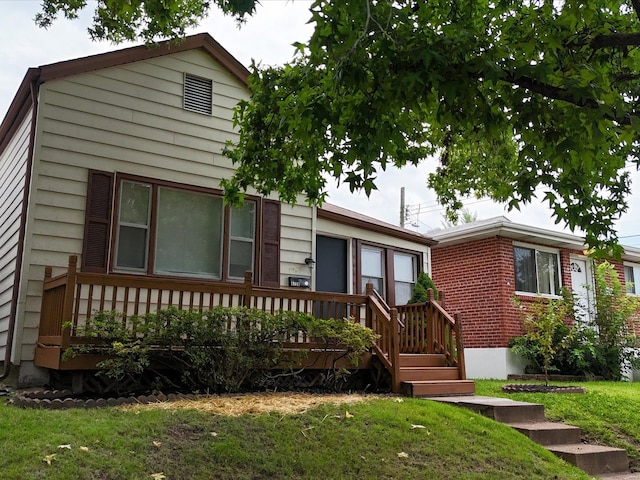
(503, 227)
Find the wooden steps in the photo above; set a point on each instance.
(438, 388)
(426, 375)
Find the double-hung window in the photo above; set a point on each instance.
(631, 276)
(134, 226)
(536, 270)
(372, 268)
(392, 272)
(167, 230)
(405, 273)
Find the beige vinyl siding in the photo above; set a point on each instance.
(13, 168)
(295, 240)
(128, 119)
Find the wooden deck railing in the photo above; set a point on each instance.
(71, 298)
(429, 328)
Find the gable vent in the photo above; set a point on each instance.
(198, 94)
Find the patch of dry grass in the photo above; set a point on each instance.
(234, 405)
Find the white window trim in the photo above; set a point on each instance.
(147, 228)
(540, 248)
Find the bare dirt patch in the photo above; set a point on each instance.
(257, 403)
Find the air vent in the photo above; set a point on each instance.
(198, 94)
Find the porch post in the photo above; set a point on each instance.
(394, 354)
(431, 323)
(459, 346)
(248, 288)
(67, 307)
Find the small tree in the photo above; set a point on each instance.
(423, 283)
(542, 322)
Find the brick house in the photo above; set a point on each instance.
(483, 266)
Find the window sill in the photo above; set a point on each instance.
(532, 297)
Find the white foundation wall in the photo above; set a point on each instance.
(492, 363)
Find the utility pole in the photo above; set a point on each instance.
(402, 212)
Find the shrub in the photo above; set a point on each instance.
(555, 340)
(220, 350)
(423, 283)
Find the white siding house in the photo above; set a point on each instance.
(108, 127)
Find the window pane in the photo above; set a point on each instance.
(371, 262)
(189, 233)
(525, 269)
(133, 225)
(243, 220)
(403, 292)
(240, 258)
(132, 247)
(548, 281)
(378, 284)
(629, 279)
(404, 268)
(134, 203)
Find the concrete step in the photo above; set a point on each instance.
(500, 409)
(548, 433)
(416, 374)
(593, 459)
(435, 388)
(422, 360)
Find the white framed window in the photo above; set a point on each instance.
(631, 276)
(405, 274)
(133, 226)
(537, 270)
(242, 222)
(372, 268)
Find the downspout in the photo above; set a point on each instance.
(22, 233)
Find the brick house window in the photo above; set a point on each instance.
(537, 270)
(631, 273)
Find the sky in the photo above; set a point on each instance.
(267, 37)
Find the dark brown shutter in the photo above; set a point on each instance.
(270, 251)
(97, 227)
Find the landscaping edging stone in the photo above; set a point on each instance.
(62, 399)
(529, 388)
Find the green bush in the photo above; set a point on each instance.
(219, 350)
(555, 340)
(423, 284)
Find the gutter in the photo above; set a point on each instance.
(33, 93)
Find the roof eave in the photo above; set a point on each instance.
(375, 227)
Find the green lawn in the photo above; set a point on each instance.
(380, 438)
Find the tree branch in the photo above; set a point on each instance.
(558, 93)
(616, 39)
(549, 91)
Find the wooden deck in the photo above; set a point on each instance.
(418, 344)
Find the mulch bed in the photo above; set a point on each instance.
(533, 388)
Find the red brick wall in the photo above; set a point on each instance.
(478, 280)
